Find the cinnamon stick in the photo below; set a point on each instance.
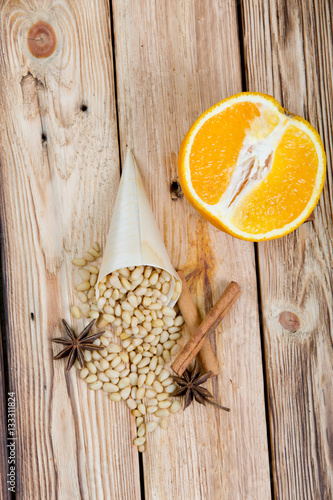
(192, 320)
(213, 318)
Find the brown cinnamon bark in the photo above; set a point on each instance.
(192, 320)
(216, 314)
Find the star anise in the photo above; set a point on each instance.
(190, 387)
(76, 345)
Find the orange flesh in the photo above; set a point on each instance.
(216, 147)
(282, 196)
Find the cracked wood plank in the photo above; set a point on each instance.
(288, 54)
(174, 60)
(59, 175)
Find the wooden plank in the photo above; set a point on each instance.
(174, 60)
(288, 53)
(4, 466)
(59, 175)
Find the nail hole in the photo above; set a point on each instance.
(32, 316)
(176, 190)
(84, 107)
(44, 137)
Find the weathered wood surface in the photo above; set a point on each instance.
(171, 60)
(59, 170)
(289, 54)
(59, 174)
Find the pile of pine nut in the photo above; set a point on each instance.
(131, 301)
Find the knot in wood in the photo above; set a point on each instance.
(289, 321)
(176, 190)
(42, 40)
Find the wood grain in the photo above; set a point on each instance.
(288, 53)
(174, 60)
(206, 356)
(59, 175)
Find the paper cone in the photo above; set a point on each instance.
(134, 238)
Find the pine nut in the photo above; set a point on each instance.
(152, 409)
(79, 262)
(115, 362)
(124, 382)
(84, 373)
(114, 347)
(104, 364)
(87, 356)
(109, 387)
(153, 278)
(125, 392)
(150, 393)
(142, 408)
(144, 362)
(124, 272)
(141, 430)
(150, 378)
(158, 370)
(171, 388)
(164, 404)
(157, 386)
(152, 402)
(101, 376)
(137, 359)
(162, 396)
(168, 321)
(115, 282)
(179, 321)
(90, 379)
(167, 311)
(168, 344)
(166, 356)
(92, 269)
(133, 378)
(84, 285)
(174, 350)
(85, 274)
(163, 375)
(138, 421)
(125, 283)
(120, 367)
(163, 423)
(151, 426)
(76, 313)
(94, 314)
(157, 322)
(162, 413)
(88, 257)
(140, 393)
(139, 441)
(95, 386)
(91, 367)
(141, 380)
(115, 396)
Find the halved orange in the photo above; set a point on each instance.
(251, 168)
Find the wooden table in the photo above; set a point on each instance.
(137, 74)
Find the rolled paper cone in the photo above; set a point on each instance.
(192, 319)
(215, 315)
(134, 238)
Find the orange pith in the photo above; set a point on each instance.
(251, 169)
(213, 161)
